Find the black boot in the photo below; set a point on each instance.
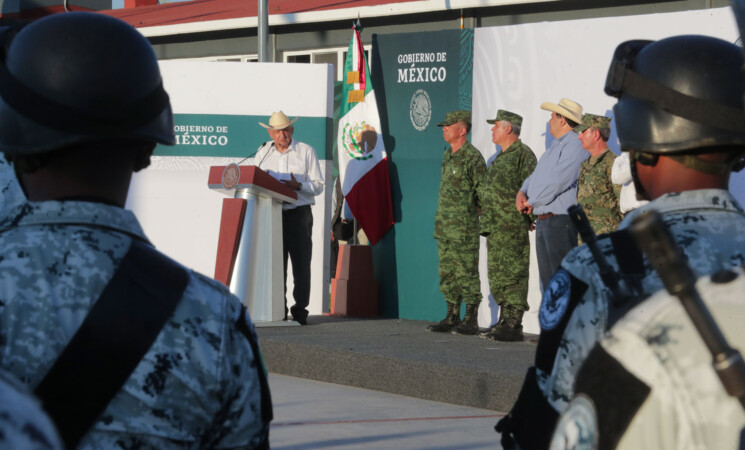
(485, 334)
(509, 328)
(451, 320)
(470, 324)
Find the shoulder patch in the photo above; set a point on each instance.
(560, 298)
(578, 426)
(555, 300)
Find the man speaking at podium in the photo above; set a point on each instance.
(294, 164)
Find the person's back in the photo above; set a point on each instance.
(195, 388)
(667, 393)
(200, 383)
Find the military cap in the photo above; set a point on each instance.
(593, 121)
(515, 119)
(456, 116)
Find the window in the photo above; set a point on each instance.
(335, 56)
(231, 58)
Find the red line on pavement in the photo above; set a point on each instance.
(336, 422)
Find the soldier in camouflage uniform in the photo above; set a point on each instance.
(595, 191)
(505, 228)
(104, 109)
(682, 158)
(10, 193)
(457, 226)
(23, 423)
(665, 390)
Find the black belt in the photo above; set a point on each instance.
(299, 208)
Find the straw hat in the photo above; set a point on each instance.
(567, 108)
(278, 121)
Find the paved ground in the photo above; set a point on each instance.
(316, 415)
(400, 357)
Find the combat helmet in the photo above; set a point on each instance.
(677, 95)
(80, 77)
(738, 7)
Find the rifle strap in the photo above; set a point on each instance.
(632, 271)
(112, 340)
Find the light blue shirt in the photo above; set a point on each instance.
(552, 187)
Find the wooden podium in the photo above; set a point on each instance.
(249, 249)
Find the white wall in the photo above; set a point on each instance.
(519, 67)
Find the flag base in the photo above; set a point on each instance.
(354, 291)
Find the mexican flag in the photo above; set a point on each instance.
(363, 162)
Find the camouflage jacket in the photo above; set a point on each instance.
(457, 214)
(664, 357)
(497, 192)
(597, 194)
(11, 194)
(708, 224)
(23, 422)
(197, 386)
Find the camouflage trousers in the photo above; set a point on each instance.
(459, 271)
(509, 259)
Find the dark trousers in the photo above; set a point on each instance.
(554, 238)
(297, 224)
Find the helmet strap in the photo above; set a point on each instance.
(622, 79)
(641, 193)
(709, 167)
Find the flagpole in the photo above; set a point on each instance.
(263, 30)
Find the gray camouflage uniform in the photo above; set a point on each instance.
(10, 191)
(685, 406)
(23, 423)
(708, 224)
(197, 386)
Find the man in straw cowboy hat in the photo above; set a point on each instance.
(552, 188)
(294, 164)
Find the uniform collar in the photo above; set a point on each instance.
(511, 148)
(450, 154)
(73, 212)
(700, 199)
(290, 148)
(599, 157)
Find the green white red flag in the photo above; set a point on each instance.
(363, 162)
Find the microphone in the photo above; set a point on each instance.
(254, 153)
(265, 154)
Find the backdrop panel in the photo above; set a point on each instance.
(418, 77)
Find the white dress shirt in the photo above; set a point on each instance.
(300, 160)
(621, 174)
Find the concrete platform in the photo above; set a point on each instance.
(401, 357)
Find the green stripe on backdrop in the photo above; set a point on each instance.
(232, 136)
